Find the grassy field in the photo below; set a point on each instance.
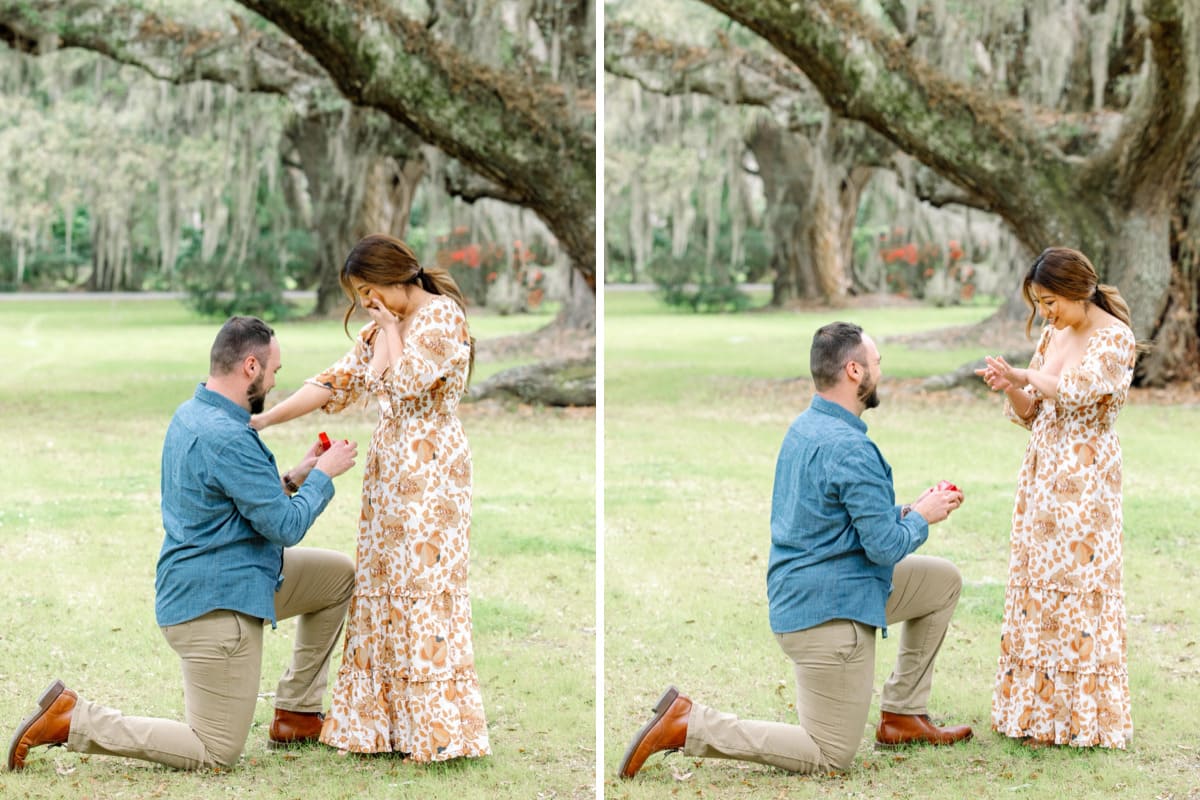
(87, 392)
(695, 409)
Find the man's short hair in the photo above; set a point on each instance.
(239, 337)
(832, 346)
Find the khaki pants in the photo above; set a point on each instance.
(835, 671)
(221, 655)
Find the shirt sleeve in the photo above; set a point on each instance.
(1106, 369)
(864, 483)
(436, 347)
(246, 473)
(347, 379)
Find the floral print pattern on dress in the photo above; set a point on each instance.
(1062, 676)
(407, 680)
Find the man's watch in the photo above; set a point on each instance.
(289, 483)
(904, 509)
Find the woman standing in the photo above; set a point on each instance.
(1062, 676)
(407, 680)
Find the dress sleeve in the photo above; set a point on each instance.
(347, 379)
(436, 349)
(1035, 363)
(1105, 371)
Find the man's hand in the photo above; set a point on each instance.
(338, 458)
(936, 504)
(299, 473)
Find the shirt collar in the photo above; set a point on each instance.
(823, 406)
(206, 395)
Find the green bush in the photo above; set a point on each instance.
(682, 285)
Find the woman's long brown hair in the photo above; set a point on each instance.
(1068, 273)
(387, 261)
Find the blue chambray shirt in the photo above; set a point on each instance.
(226, 518)
(836, 530)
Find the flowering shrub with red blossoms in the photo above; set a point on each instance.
(478, 266)
(912, 267)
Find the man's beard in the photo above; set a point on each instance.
(256, 395)
(868, 394)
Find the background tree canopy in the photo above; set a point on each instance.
(246, 146)
(1072, 123)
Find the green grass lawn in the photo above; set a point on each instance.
(88, 390)
(695, 409)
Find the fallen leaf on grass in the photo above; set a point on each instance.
(62, 769)
(679, 776)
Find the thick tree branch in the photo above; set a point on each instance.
(539, 140)
(167, 49)
(727, 73)
(939, 192)
(469, 186)
(986, 145)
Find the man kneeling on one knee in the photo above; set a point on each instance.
(227, 564)
(841, 566)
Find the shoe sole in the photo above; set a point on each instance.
(660, 708)
(52, 693)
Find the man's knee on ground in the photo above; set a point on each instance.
(839, 759)
(223, 756)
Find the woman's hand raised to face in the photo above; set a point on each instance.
(382, 315)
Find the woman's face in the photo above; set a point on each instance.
(396, 298)
(1058, 310)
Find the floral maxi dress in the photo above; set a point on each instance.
(407, 680)
(1062, 674)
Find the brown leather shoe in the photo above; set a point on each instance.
(666, 730)
(294, 727)
(48, 725)
(896, 730)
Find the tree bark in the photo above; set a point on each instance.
(366, 188)
(806, 213)
(560, 382)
